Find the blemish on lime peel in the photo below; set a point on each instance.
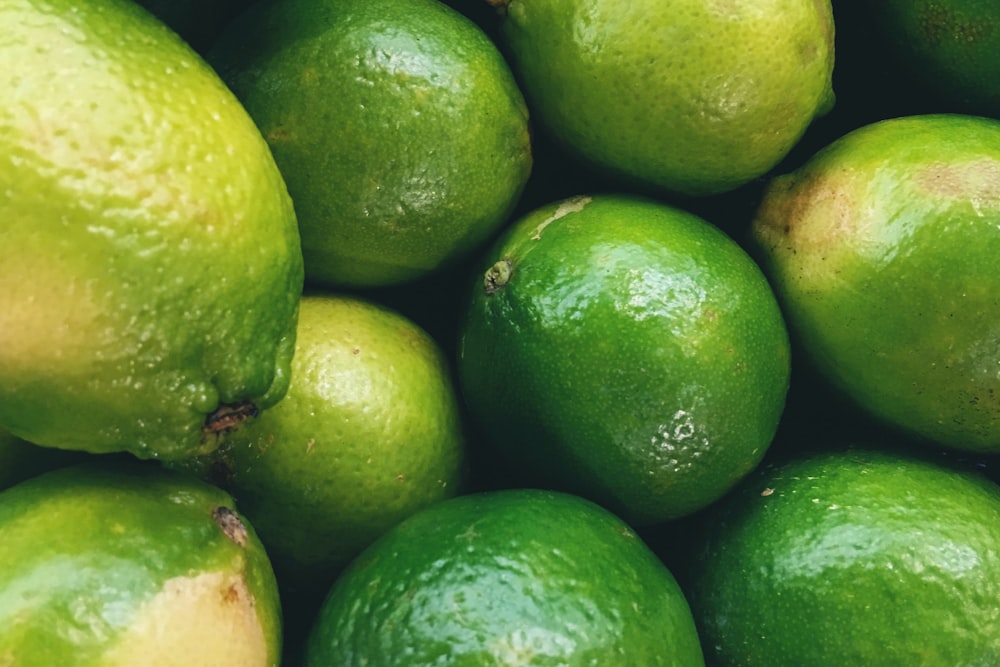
(571, 205)
(497, 276)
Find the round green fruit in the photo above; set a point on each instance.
(692, 96)
(514, 577)
(883, 251)
(397, 124)
(951, 49)
(851, 557)
(128, 564)
(625, 350)
(150, 266)
(368, 433)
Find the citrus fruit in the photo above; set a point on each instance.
(882, 249)
(951, 49)
(693, 96)
(851, 557)
(513, 577)
(150, 266)
(626, 350)
(130, 564)
(368, 433)
(397, 124)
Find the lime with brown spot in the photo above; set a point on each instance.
(513, 577)
(369, 432)
(883, 249)
(150, 266)
(625, 350)
(120, 564)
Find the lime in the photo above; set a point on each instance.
(626, 350)
(951, 50)
(368, 433)
(513, 577)
(150, 266)
(882, 249)
(128, 564)
(851, 557)
(397, 124)
(694, 96)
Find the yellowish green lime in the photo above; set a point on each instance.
(883, 249)
(369, 433)
(691, 96)
(122, 564)
(150, 266)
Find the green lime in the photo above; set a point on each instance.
(882, 249)
(514, 577)
(125, 564)
(397, 124)
(368, 433)
(625, 350)
(150, 267)
(950, 49)
(692, 96)
(851, 557)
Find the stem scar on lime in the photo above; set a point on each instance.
(231, 524)
(497, 276)
(228, 417)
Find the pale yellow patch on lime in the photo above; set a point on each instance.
(523, 646)
(572, 205)
(43, 320)
(209, 619)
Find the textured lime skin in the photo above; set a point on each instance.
(695, 96)
(368, 433)
(634, 354)
(952, 48)
(398, 125)
(150, 266)
(85, 547)
(856, 557)
(515, 577)
(883, 250)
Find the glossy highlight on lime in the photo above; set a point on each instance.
(626, 350)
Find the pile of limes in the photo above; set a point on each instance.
(500, 332)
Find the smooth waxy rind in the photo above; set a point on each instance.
(150, 265)
(858, 557)
(625, 350)
(506, 578)
(882, 249)
(108, 564)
